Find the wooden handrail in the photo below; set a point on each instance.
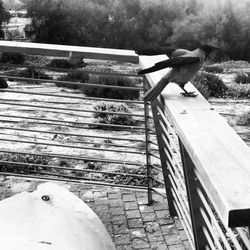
(216, 154)
(69, 51)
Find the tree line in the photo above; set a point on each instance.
(143, 24)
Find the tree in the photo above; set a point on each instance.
(4, 18)
(50, 21)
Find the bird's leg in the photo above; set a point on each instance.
(188, 94)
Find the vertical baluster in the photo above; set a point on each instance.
(164, 159)
(198, 222)
(148, 146)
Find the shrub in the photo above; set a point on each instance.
(238, 91)
(60, 63)
(215, 86)
(73, 76)
(36, 60)
(35, 159)
(32, 73)
(66, 64)
(3, 83)
(113, 118)
(29, 73)
(230, 66)
(110, 92)
(244, 119)
(213, 68)
(242, 78)
(202, 88)
(12, 57)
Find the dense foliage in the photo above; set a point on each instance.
(137, 24)
(4, 17)
(209, 84)
(12, 58)
(114, 93)
(107, 118)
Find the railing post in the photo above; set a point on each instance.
(163, 156)
(148, 147)
(195, 203)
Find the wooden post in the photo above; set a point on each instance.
(194, 200)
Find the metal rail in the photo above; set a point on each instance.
(56, 69)
(79, 97)
(26, 135)
(71, 83)
(68, 123)
(70, 109)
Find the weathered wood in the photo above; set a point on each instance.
(221, 158)
(69, 51)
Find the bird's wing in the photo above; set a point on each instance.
(170, 63)
(180, 52)
(156, 51)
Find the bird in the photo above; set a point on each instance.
(185, 65)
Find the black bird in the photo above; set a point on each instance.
(184, 63)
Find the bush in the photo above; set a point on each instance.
(113, 118)
(73, 76)
(110, 92)
(12, 57)
(31, 159)
(60, 63)
(242, 78)
(244, 119)
(66, 64)
(32, 73)
(238, 91)
(29, 73)
(202, 88)
(213, 68)
(215, 86)
(3, 83)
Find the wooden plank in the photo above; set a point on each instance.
(69, 51)
(221, 158)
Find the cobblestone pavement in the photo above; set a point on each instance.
(131, 223)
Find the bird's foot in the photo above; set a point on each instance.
(189, 94)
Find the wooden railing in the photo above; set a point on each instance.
(206, 167)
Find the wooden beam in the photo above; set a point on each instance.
(69, 51)
(221, 158)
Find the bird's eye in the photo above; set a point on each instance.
(45, 198)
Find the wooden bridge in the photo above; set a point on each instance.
(205, 165)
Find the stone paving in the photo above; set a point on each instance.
(131, 223)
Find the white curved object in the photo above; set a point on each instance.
(50, 218)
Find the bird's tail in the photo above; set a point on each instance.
(152, 93)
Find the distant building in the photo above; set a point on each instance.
(14, 30)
